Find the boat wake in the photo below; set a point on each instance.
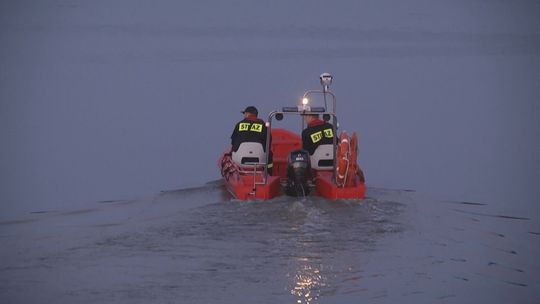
(198, 244)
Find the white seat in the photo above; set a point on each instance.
(249, 152)
(322, 158)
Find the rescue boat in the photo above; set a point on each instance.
(331, 172)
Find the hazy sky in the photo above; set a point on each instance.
(102, 100)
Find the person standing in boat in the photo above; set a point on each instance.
(317, 132)
(251, 129)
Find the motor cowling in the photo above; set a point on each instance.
(298, 173)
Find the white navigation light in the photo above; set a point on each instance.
(305, 101)
(326, 80)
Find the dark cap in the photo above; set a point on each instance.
(251, 109)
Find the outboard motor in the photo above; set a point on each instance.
(298, 173)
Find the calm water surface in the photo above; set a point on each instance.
(190, 246)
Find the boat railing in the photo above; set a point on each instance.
(304, 109)
(256, 166)
(307, 95)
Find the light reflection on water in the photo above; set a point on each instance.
(311, 225)
(328, 240)
(308, 284)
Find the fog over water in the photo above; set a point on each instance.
(104, 104)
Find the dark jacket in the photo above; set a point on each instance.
(317, 133)
(250, 129)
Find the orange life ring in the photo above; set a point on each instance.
(342, 158)
(354, 148)
(353, 166)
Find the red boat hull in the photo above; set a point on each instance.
(240, 181)
(326, 188)
(242, 188)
